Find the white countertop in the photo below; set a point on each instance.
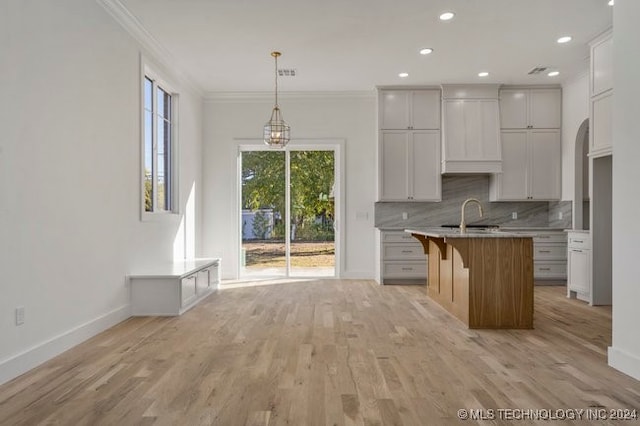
(471, 233)
(579, 231)
(175, 269)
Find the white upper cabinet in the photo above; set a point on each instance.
(512, 183)
(531, 166)
(601, 124)
(409, 166)
(602, 64)
(601, 133)
(409, 109)
(531, 148)
(545, 165)
(530, 108)
(471, 129)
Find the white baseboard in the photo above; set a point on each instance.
(16, 365)
(624, 361)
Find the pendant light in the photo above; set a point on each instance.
(276, 131)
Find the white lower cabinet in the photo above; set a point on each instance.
(402, 259)
(579, 265)
(550, 256)
(173, 288)
(188, 289)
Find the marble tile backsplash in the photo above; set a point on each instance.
(558, 209)
(456, 189)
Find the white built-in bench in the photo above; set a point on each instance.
(174, 287)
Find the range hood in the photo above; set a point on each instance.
(471, 129)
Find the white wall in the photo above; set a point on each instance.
(320, 116)
(69, 176)
(624, 354)
(575, 109)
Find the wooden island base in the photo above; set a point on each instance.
(484, 282)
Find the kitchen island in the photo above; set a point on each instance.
(483, 277)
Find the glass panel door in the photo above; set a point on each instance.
(312, 212)
(294, 186)
(263, 214)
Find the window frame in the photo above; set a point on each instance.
(148, 72)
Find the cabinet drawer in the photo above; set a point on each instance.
(578, 241)
(202, 281)
(404, 269)
(550, 270)
(549, 252)
(398, 237)
(555, 237)
(402, 252)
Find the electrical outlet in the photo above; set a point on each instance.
(559, 215)
(405, 216)
(514, 215)
(20, 315)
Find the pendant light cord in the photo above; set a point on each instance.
(276, 54)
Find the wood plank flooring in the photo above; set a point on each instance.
(326, 352)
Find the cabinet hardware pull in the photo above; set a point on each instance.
(576, 251)
(578, 241)
(545, 269)
(407, 251)
(544, 251)
(407, 269)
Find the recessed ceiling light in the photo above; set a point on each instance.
(445, 16)
(610, 3)
(426, 51)
(483, 74)
(564, 39)
(403, 75)
(553, 73)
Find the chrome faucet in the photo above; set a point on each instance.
(463, 226)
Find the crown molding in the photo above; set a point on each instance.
(268, 96)
(155, 49)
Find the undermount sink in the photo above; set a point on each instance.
(473, 226)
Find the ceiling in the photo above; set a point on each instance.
(354, 45)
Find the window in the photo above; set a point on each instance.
(158, 147)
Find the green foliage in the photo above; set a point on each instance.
(261, 225)
(315, 231)
(148, 193)
(312, 179)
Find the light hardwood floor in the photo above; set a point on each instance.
(327, 352)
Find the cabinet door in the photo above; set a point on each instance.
(188, 289)
(394, 109)
(601, 124)
(602, 66)
(545, 164)
(202, 281)
(393, 166)
(425, 177)
(425, 109)
(512, 182)
(513, 109)
(545, 108)
(579, 265)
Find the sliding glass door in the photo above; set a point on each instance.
(295, 186)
